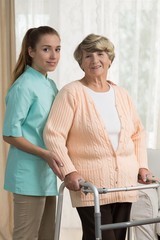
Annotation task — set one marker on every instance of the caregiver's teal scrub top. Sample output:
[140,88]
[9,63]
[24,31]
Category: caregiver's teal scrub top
[28,103]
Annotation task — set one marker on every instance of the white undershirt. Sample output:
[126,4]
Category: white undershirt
[105,105]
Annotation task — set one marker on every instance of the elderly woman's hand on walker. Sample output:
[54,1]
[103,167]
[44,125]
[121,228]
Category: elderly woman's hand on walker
[72,181]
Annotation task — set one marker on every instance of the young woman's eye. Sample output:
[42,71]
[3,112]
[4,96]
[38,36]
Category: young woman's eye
[45,49]
[87,56]
[58,49]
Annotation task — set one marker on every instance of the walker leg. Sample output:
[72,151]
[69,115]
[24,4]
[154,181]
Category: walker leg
[59,212]
[128,233]
[98,231]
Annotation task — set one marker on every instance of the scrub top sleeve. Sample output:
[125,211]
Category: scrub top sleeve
[18,102]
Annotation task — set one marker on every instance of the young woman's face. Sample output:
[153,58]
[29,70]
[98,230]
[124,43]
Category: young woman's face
[47,53]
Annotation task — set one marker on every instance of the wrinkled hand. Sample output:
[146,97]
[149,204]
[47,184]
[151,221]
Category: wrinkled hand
[144,176]
[72,181]
[54,163]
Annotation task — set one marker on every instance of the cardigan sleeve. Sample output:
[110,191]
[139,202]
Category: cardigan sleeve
[139,137]
[57,128]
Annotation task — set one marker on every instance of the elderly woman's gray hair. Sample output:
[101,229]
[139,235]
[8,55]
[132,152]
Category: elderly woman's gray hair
[94,43]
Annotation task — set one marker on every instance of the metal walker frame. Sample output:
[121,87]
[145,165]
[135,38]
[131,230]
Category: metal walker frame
[87,187]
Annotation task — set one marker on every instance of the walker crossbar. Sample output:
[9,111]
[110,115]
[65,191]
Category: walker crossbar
[129,224]
[87,187]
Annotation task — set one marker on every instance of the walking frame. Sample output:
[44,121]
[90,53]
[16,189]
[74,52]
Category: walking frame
[87,187]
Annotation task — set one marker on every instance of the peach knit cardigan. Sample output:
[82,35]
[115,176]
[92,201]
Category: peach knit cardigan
[76,134]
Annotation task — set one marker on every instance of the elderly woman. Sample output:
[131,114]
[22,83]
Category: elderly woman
[94,129]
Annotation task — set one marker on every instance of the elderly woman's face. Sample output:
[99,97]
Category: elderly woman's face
[95,63]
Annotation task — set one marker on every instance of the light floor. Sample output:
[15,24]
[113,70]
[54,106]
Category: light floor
[68,234]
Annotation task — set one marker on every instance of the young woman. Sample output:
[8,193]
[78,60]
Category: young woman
[30,166]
